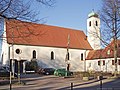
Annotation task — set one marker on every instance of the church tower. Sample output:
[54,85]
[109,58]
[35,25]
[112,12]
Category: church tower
[93,30]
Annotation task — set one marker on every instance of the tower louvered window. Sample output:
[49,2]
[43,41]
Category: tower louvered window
[90,23]
[96,23]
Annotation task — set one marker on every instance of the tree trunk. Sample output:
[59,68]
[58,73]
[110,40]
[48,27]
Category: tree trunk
[115,57]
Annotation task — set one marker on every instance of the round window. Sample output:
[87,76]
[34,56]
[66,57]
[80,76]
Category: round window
[18,51]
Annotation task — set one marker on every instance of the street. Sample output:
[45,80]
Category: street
[50,82]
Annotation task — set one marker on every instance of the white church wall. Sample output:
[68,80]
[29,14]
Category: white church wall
[76,62]
[5,47]
[43,56]
[5,52]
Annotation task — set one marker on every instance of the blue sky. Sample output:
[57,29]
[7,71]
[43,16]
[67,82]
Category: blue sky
[70,13]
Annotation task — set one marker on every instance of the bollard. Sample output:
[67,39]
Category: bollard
[101,77]
[71,86]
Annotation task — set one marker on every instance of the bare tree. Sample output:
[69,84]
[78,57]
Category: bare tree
[21,10]
[110,16]
[18,10]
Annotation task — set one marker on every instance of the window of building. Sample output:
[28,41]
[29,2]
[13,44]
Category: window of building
[96,23]
[103,62]
[113,63]
[90,23]
[52,55]
[118,62]
[82,56]
[34,54]
[99,63]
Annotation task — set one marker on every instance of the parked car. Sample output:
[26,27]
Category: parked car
[46,71]
[62,72]
[5,72]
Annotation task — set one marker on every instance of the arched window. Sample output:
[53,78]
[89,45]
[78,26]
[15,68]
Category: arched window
[96,23]
[90,23]
[113,62]
[52,55]
[82,56]
[34,54]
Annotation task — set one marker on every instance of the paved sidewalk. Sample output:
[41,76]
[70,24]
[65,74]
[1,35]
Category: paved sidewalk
[23,77]
[37,82]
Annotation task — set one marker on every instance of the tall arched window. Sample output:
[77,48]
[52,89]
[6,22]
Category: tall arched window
[90,23]
[34,54]
[52,55]
[96,23]
[82,56]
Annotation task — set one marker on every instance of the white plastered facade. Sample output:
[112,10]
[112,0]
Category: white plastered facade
[43,55]
[93,32]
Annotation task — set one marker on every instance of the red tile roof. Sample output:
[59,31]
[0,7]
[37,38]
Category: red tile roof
[94,54]
[103,53]
[27,33]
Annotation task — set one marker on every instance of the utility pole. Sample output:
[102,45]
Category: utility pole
[11,60]
[67,55]
[10,68]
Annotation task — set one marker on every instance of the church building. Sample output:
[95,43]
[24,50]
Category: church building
[46,44]
[51,46]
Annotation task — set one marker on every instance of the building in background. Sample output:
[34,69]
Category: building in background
[103,59]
